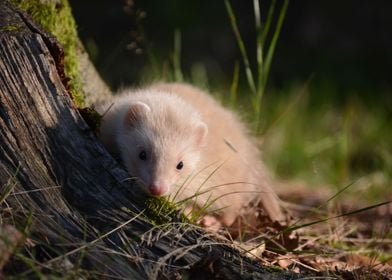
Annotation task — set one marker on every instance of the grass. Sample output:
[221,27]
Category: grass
[325,147]
[309,138]
[263,60]
[328,144]
[310,141]
[319,144]
[305,138]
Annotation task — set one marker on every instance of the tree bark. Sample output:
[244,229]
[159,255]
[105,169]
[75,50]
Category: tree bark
[53,171]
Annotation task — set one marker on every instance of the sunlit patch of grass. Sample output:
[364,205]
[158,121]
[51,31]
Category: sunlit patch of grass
[306,136]
[328,144]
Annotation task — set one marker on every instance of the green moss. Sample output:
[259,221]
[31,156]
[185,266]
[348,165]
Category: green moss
[56,18]
[162,211]
[10,28]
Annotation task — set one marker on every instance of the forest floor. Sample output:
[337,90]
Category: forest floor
[345,239]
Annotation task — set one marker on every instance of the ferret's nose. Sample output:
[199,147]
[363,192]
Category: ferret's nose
[157,190]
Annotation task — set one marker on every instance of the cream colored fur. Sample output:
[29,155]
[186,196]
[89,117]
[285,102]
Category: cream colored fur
[219,159]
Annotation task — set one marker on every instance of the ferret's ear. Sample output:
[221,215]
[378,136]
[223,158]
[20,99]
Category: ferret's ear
[136,112]
[201,134]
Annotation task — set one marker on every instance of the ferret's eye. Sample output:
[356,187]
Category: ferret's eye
[143,155]
[180,165]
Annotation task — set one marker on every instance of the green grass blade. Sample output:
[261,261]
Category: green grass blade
[290,229]
[189,180]
[290,105]
[337,194]
[271,49]
[325,202]
[259,43]
[234,85]
[262,33]
[241,46]
[199,192]
[267,24]
[9,186]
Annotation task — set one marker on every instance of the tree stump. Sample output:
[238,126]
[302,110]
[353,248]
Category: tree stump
[62,188]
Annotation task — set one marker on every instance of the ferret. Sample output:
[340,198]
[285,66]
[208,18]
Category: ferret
[177,141]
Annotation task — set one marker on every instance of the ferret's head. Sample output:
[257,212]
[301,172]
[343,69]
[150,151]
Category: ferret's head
[160,142]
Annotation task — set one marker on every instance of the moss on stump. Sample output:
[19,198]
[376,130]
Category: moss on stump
[55,17]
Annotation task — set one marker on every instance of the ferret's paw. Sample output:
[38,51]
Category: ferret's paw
[210,223]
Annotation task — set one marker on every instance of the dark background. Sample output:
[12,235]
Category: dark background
[346,46]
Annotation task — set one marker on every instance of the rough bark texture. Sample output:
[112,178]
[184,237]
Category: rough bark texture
[53,169]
